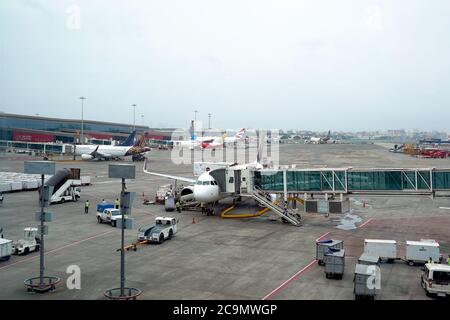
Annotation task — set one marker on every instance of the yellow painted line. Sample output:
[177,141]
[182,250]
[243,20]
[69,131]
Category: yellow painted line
[224,214]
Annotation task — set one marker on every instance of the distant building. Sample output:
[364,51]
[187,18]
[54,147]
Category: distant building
[14,127]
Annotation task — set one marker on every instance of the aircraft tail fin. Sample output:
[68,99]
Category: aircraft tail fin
[128,141]
[240,133]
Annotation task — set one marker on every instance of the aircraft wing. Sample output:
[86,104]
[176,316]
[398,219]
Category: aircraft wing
[97,154]
[166,175]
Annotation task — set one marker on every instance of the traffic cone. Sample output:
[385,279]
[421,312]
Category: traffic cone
[193,219]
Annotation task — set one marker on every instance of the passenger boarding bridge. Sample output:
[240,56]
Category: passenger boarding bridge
[294,184]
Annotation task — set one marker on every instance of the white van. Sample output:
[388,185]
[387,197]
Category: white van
[436,279]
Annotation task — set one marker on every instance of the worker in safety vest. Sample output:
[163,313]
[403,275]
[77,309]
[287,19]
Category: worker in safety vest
[86,206]
[178,206]
[430,260]
[448,260]
[117,204]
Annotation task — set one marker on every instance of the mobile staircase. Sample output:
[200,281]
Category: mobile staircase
[284,212]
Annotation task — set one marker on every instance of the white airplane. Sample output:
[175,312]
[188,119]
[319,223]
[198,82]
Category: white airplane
[205,188]
[318,140]
[210,142]
[126,148]
[237,137]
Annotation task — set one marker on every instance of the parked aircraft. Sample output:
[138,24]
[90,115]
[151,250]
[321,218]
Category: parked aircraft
[319,140]
[106,152]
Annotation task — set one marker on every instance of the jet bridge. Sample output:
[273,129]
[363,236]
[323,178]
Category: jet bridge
[249,181]
[389,181]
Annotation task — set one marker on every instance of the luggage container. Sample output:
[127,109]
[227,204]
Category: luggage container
[85,180]
[169,203]
[364,288]
[334,263]
[323,245]
[421,251]
[102,206]
[385,249]
[369,259]
[5,249]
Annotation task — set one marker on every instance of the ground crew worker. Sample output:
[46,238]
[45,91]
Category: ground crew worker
[178,206]
[86,206]
[103,201]
[117,204]
[448,260]
[202,205]
[430,260]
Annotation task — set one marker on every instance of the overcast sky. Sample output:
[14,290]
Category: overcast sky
[340,65]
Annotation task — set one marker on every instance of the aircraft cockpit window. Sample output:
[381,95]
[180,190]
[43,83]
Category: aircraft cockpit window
[206,183]
[199,183]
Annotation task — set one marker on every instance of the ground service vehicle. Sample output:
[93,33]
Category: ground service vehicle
[29,243]
[163,229]
[106,213]
[435,279]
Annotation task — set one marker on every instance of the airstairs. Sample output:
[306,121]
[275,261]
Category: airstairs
[285,213]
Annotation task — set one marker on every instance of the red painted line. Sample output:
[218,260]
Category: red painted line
[365,223]
[57,249]
[323,236]
[288,281]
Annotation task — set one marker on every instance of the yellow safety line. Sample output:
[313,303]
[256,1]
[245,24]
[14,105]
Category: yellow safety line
[297,199]
[224,214]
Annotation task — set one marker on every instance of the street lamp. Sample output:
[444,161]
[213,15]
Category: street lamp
[195,115]
[82,119]
[209,120]
[134,116]
[142,117]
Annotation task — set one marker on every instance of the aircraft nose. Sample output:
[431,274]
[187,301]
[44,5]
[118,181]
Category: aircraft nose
[205,194]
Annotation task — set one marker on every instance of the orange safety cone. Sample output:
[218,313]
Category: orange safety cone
[193,219]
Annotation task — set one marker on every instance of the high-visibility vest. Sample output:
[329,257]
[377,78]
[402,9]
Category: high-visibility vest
[117,202]
[448,261]
[86,204]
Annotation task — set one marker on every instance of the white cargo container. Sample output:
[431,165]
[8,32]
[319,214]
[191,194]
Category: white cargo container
[421,251]
[385,249]
[5,249]
[5,187]
[16,185]
[85,180]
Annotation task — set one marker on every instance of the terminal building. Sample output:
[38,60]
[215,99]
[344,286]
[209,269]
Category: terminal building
[32,132]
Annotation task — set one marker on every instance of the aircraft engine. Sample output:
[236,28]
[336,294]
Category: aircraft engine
[86,157]
[187,194]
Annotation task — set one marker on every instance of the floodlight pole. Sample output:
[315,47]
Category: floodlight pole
[41,245]
[122,251]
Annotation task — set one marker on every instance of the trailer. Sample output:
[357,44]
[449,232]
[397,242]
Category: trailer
[334,263]
[385,249]
[420,252]
[369,259]
[364,287]
[323,246]
[5,249]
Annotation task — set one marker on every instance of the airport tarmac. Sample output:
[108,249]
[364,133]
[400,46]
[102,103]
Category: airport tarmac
[221,259]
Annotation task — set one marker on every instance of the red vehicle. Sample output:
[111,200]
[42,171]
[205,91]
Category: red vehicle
[434,153]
